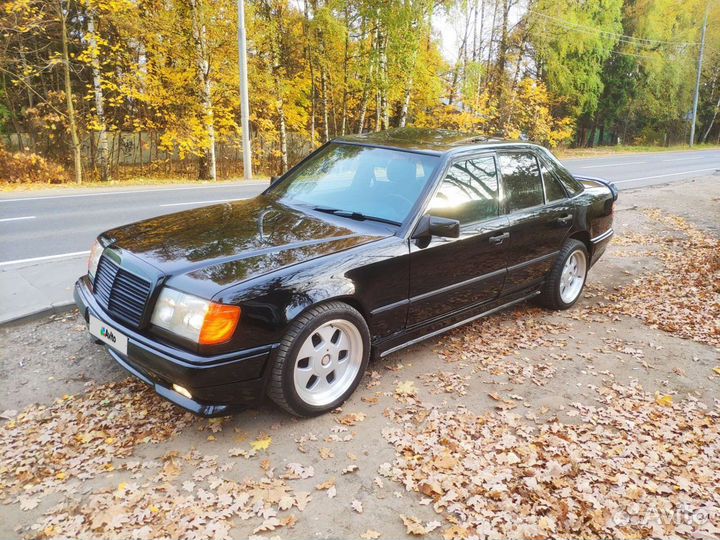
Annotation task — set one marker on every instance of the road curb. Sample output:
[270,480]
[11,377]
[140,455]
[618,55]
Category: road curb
[57,309]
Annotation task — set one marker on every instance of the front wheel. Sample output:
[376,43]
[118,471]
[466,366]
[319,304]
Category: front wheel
[567,277]
[321,360]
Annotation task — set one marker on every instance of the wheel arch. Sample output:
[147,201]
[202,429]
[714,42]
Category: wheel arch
[584,237]
[346,297]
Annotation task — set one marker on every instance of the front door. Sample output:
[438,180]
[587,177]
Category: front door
[539,219]
[450,274]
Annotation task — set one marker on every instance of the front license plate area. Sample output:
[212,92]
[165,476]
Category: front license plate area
[108,335]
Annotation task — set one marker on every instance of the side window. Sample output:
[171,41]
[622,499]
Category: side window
[521,181]
[554,190]
[469,191]
[572,186]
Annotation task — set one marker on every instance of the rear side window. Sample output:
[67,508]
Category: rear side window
[469,191]
[554,190]
[572,186]
[521,181]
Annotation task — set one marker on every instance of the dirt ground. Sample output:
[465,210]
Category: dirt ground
[601,396]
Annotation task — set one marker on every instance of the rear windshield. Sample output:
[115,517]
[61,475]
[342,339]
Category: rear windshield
[377,182]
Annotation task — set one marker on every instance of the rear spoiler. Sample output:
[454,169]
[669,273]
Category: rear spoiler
[613,189]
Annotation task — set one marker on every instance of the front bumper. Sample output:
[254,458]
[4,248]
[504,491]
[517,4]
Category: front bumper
[218,385]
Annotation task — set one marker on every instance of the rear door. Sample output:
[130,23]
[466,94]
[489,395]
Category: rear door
[539,215]
[450,274]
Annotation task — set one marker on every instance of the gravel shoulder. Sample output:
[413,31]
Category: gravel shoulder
[148,469]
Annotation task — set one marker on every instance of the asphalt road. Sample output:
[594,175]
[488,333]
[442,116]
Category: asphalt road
[45,237]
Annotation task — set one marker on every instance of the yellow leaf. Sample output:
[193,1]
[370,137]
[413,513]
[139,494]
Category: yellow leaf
[413,526]
[261,444]
[211,438]
[717,370]
[663,401]
[455,533]
[61,475]
[406,388]
[154,509]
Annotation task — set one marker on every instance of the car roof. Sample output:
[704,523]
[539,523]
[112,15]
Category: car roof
[432,141]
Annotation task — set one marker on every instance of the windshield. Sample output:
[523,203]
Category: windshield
[359,181]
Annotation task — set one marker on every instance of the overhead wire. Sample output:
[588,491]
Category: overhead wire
[624,38]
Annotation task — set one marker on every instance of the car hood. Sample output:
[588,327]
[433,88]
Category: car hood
[227,243]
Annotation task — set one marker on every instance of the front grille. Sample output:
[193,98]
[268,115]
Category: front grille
[121,293]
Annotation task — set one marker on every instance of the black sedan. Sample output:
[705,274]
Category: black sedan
[372,243]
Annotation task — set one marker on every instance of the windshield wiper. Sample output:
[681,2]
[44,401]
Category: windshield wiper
[357,216]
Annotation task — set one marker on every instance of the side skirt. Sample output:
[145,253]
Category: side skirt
[457,324]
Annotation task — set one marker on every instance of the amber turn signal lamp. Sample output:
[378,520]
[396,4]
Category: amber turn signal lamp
[220,324]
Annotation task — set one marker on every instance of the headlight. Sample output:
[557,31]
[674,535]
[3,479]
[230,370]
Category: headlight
[95,252]
[195,319]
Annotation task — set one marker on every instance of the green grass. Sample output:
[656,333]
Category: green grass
[601,151]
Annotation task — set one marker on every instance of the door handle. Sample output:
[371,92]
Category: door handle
[565,219]
[499,238]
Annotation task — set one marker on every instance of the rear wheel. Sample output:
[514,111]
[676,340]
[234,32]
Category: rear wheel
[321,360]
[567,277]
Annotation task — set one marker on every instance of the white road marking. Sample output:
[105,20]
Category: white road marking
[204,202]
[125,191]
[17,218]
[613,164]
[663,175]
[46,258]
[684,158]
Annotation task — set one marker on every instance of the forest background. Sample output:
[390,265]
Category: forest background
[113,89]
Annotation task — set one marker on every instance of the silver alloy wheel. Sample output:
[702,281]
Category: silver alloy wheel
[328,362]
[573,276]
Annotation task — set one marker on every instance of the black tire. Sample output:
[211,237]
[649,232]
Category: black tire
[550,296]
[281,388]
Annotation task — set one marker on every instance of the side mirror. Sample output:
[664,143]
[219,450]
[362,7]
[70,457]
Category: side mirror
[430,226]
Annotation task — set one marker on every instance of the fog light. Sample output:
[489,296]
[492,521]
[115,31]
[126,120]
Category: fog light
[182,391]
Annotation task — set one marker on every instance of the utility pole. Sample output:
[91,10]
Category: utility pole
[244,103]
[697,81]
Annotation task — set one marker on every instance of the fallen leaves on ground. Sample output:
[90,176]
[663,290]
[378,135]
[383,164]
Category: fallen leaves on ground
[493,344]
[406,389]
[446,382]
[683,297]
[495,475]
[203,509]
[78,437]
[261,444]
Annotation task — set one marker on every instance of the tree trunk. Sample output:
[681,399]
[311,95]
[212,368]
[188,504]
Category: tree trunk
[503,46]
[406,105]
[208,169]
[101,157]
[493,28]
[366,91]
[75,137]
[707,131]
[324,101]
[346,60]
[384,101]
[277,66]
[313,97]
[378,108]
[475,33]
